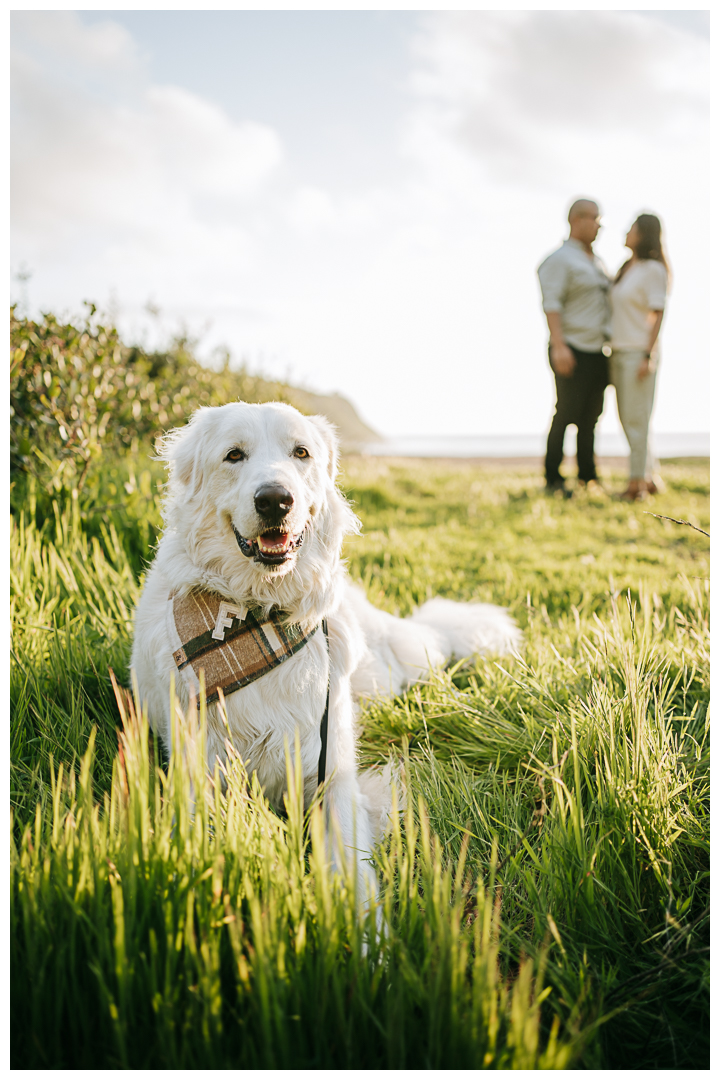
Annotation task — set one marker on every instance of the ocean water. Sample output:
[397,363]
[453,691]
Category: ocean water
[610,444]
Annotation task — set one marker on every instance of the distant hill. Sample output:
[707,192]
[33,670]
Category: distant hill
[353,431]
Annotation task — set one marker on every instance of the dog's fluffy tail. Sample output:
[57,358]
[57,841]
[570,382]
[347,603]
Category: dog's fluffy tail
[401,651]
[465,630]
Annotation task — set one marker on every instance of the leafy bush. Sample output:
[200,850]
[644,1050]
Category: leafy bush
[76,390]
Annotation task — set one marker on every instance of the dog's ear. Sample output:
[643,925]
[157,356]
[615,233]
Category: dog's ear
[181,449]
[331,440]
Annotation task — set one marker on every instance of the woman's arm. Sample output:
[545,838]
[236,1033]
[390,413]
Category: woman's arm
[646,366]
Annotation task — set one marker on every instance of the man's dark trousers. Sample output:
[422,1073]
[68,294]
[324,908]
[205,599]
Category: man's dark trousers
[579,401]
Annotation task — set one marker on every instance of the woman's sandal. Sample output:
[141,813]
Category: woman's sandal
[633,493]
[654,486]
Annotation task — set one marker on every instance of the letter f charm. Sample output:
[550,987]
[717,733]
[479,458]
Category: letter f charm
[224,621]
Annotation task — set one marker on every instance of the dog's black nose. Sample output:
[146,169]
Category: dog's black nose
[273,502]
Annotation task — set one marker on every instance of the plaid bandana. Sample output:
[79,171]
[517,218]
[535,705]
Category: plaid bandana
[234,646]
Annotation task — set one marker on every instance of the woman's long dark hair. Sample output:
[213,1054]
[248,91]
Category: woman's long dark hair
[650,246]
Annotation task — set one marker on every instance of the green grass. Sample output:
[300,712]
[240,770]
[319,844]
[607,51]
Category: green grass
[545,893]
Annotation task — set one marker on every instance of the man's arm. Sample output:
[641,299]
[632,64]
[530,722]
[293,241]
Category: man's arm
[561,355]
[553,275]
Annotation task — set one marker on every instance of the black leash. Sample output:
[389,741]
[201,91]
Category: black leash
[322,760]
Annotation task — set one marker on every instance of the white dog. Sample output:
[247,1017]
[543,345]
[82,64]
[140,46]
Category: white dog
[254,525]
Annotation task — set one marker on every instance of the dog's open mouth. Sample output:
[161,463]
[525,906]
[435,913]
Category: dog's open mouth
[273,547]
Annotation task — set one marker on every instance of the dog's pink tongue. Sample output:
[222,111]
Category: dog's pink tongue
[274,543]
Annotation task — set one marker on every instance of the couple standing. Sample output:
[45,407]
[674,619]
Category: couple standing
[586,313]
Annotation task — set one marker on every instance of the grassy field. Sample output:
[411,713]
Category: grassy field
[546,891]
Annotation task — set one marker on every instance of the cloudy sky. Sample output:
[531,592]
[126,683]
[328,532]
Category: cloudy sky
[359,200]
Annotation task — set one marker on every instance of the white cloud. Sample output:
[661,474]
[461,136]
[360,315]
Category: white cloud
[199,146]
[65,42]
[160,162]
[312,208]
[515,89]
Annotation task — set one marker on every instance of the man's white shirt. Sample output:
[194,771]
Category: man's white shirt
[577,286]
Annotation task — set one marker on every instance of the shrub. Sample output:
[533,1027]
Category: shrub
[76,390]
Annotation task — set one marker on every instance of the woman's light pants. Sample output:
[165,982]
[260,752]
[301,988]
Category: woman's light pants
[635,401]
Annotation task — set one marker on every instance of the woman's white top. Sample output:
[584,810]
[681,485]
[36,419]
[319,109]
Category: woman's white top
[640,291]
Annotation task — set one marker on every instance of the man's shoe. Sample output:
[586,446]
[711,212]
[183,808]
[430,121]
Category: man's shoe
[558,487]
[593,488]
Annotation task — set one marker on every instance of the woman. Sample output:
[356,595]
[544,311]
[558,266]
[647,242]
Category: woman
[638,302]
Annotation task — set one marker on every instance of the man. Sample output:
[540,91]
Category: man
[575,293]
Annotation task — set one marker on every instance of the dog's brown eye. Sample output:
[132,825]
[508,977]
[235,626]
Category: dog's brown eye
[301,452]
[236,455]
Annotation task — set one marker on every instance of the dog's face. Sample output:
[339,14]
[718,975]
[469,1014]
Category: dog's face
[263,476]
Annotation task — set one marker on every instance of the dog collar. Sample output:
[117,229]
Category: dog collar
[234,646]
